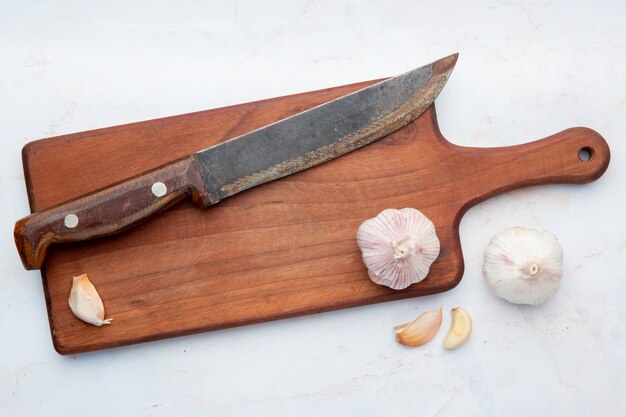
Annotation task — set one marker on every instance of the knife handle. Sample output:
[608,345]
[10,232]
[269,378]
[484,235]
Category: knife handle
[109,210]
[574,156]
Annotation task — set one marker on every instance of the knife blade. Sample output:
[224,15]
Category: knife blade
[282,148]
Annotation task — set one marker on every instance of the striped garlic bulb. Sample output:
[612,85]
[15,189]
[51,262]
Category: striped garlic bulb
[398,247]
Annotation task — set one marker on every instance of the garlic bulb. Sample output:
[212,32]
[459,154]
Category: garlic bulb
[85,302]
[398,247]
[419,331]
[460,329]
[523,266]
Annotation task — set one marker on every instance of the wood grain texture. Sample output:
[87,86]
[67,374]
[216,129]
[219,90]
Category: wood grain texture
[283,249]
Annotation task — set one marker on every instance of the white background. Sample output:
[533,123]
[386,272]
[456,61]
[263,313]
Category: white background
[527,69]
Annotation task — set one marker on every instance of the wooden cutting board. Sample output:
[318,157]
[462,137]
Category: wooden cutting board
[282,249]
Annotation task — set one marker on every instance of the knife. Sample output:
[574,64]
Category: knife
[293,144]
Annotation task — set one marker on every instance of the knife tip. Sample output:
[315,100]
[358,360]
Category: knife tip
[445,65]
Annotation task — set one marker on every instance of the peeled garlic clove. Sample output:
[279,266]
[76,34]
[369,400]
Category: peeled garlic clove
[85,302]
[419,331]
[398,247]
[523,266]
[460,329]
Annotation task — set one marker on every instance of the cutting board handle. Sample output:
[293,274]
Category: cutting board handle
[574,156]
[110,210]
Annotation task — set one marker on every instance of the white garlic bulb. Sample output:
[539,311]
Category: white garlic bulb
[523,266]
[398,247]
[85,302]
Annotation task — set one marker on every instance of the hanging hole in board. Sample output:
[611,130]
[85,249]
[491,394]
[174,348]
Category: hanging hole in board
[585,154]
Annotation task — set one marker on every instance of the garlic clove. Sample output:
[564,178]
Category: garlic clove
[398,247]
[523,266]
[460,329]
[85,302]
[419,331]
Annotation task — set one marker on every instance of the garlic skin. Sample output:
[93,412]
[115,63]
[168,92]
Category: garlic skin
[398,247]
[85,302]
[419,331]
[523,266]
[460,329]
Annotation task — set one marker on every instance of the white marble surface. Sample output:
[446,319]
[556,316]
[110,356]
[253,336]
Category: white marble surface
[527,69]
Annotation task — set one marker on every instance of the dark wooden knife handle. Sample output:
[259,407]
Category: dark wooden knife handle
[109,210]
[574,156]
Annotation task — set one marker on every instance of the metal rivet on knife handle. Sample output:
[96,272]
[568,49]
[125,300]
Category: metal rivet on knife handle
[70,221]
[159,189]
